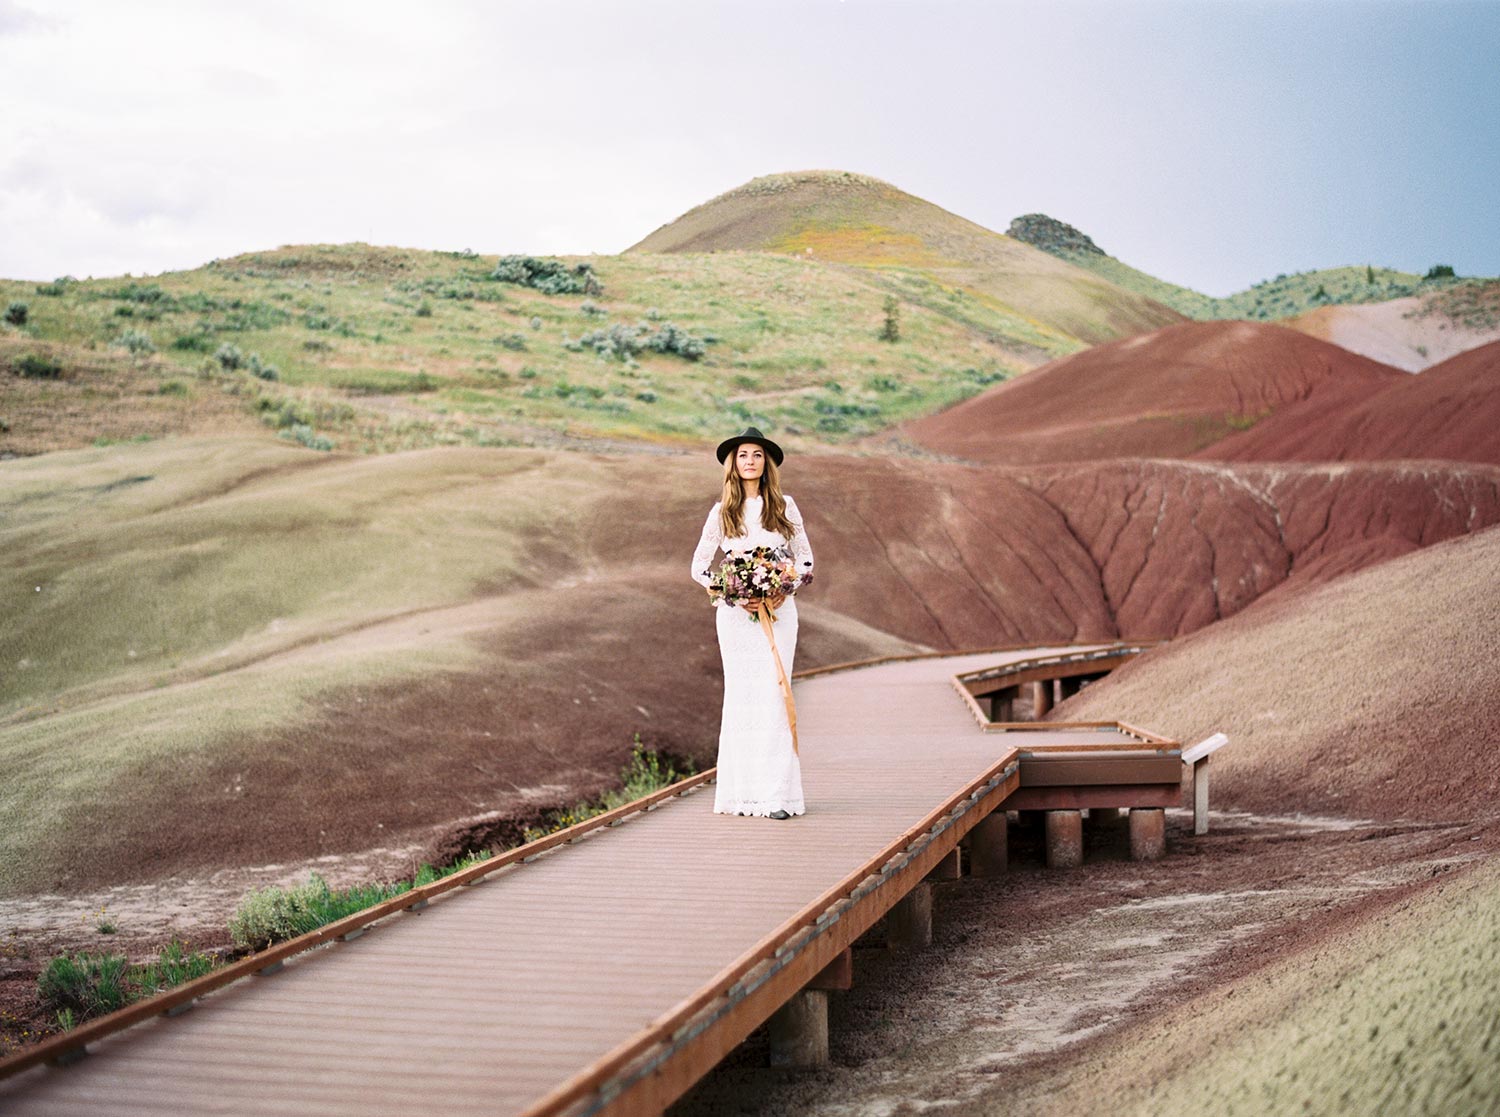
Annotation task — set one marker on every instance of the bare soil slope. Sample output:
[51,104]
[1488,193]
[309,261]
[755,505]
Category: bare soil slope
[307,653]
[1411,333]
[1370,696]
[1163,394]
[1394,1013]
[845,218]
[1450,412]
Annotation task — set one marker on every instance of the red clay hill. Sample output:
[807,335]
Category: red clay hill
[1450,412]
[583,628]
[1164,394]
[1400,735]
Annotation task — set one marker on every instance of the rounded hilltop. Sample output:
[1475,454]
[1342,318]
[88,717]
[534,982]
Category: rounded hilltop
[823,180]
[843,218]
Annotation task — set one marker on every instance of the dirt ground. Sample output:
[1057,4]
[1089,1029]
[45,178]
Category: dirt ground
[1030,974]
[137,920]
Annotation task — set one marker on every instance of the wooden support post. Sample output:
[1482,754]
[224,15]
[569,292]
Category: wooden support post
[799,1031]
[989,845]
[1064,839]
[909,924]
[838,974]
[1198,757]
[1104,816]
[949,868]
[1148,833]
[1200,796]
[1041,699]
[1000,707]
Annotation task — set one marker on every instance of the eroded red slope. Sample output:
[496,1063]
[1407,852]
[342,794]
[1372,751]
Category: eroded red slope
[1371,696]
[1451,412]
[1163,394]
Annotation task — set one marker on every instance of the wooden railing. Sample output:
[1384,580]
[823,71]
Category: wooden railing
[71,1045]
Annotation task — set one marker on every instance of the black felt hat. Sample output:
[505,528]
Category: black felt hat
[751,435]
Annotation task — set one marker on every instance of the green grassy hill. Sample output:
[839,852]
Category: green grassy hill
[870,226]
[385,349]
[1285,296]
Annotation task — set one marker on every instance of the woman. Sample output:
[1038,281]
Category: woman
[758,770]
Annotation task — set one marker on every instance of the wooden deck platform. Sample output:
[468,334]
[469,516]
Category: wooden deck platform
[608,974]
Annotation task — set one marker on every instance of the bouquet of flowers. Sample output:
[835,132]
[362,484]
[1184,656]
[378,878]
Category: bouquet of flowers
[746,577]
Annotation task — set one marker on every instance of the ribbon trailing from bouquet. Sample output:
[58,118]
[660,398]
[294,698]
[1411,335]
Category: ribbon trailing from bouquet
[763,612]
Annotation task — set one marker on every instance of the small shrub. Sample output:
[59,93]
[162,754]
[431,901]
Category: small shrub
[229,357]
[672,339]
[172,388]
[527,373]
[592,309]
[301,432]
[646,395]
[261,369]
[316,345]
[16,313]
[34,366]
[137,342]
[140,293]
[536,323]
[884,384]
[318,322]
[514,342]
[551,277]
[890,330]
[621,342]
[57,287]
[276,914]
[424,309]
[193,343]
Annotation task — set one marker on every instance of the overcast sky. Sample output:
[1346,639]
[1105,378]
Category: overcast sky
[1210,142]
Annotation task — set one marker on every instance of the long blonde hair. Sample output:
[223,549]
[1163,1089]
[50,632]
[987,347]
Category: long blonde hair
[773,515]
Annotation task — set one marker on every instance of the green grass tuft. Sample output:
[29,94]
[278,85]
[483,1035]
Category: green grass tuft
[78,987]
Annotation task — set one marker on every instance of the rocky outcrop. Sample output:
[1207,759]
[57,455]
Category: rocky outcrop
[1052,235]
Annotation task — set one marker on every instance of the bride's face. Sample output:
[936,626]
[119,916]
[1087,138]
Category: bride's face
[749,461]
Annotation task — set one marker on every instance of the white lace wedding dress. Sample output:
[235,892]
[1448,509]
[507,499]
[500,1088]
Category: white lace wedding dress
[758,771]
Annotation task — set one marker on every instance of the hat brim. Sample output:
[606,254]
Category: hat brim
[727,447]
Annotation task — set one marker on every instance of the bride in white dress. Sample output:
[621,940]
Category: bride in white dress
[759,773]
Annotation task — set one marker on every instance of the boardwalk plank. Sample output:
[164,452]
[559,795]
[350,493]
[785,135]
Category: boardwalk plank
[496,994]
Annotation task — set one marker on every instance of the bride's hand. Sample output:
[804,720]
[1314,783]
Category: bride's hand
[775,601]
[751,607]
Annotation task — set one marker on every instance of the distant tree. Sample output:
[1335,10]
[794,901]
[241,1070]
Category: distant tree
[1321,293]
[891,330]
[1369,275]
[1440,271]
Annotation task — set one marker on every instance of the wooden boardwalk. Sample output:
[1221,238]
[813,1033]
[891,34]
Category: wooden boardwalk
[605,975]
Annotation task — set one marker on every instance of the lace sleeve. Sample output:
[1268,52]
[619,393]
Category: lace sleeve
[708,546]
[802,555]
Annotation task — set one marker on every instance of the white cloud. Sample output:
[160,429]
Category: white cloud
[143,137]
